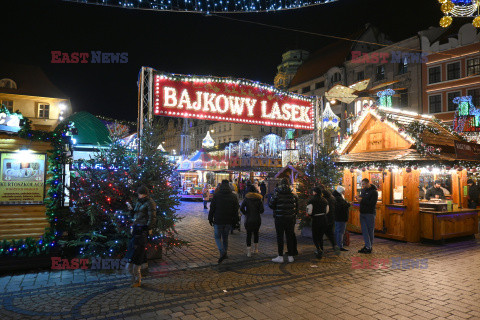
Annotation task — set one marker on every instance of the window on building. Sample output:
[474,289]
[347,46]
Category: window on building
[435,103]
[403,66]
[336,77]
[360,75]
[262,129]
[450,96]
[402,99]
[306,89]
[43,110]
[320,85]
[380,74]
[473,66]
[229,126]
[7,104]
[434,75]
[475,93]
[453,71]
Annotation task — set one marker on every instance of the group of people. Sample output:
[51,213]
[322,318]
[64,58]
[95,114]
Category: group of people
[328,211]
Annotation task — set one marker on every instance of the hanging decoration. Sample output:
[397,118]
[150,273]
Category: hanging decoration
[208,6]
[459,9]
[385,97]
[330,119]
[208,142]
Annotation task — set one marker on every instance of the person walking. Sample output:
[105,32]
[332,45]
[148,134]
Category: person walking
[205,195]
[252,208]
[341,215]
[263,190]
[368,201]
[144,220]
[319,209]
[222,215]
[285,209]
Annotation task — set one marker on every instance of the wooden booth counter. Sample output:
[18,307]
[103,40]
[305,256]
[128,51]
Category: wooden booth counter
[441,225]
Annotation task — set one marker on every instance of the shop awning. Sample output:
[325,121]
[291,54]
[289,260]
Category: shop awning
[395,155]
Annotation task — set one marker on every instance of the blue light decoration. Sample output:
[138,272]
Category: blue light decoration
[467,116]
[385,97]
[208,6]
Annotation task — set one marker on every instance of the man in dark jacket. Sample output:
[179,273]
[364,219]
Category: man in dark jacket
[368,201]
[222,215]
[285,209]
[473,194]
[341,216]
[144,220]
[263,190]
[436,191]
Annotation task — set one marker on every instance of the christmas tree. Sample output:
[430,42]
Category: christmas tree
[100,223]
[323,172]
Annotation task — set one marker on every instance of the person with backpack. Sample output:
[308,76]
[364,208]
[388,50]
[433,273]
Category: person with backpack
[318,208]
[252,208]
[284,204]
[341,216]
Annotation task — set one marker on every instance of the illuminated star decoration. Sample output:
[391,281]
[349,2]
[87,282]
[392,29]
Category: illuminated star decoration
[459,8]
[208,6]
[330,119]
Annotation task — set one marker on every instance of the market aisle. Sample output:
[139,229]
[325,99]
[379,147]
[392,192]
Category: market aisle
[189,284]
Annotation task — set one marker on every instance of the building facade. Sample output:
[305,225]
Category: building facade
[452,69]
[28,90]
[291,61]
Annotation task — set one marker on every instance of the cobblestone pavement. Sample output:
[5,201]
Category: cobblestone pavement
[189,284]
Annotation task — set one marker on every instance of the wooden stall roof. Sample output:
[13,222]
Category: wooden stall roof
[383,117]
[396,155]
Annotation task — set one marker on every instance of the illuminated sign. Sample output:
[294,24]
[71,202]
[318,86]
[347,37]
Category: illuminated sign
[22,178]
[10,122]
[224,100]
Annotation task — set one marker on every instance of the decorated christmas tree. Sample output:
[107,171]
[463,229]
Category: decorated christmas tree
[323,172]
[100,222]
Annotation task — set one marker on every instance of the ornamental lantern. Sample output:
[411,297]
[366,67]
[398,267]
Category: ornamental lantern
[408,169]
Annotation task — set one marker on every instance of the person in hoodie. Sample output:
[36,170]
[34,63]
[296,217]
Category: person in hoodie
[368,201]
[252,208]
[144,220]
[341,215]
[222,215]
[285,209]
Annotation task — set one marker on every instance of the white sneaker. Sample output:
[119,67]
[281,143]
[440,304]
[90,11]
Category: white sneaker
[278,259]
[290,259]
[249,251]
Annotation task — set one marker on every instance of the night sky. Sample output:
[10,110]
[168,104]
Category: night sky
[181,42]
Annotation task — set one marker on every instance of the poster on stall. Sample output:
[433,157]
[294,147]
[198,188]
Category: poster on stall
[22,178]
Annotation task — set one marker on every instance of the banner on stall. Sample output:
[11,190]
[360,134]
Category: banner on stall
[467,150]
[227,100]
[22,178]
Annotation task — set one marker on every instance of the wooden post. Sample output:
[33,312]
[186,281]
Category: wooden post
[411,181]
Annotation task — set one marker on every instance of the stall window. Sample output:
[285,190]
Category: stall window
[376,178]
[427,181]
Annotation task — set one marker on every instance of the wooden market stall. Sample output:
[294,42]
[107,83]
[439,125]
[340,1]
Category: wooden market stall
[22,187]
[402,154]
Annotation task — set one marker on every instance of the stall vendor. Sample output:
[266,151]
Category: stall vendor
[435,192]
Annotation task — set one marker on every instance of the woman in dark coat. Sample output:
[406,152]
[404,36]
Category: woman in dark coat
[252,208]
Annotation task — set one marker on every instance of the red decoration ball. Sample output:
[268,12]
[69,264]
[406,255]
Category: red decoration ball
[460,169]
[415,168]
[448,168]
[408,169]
[364,169]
